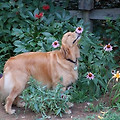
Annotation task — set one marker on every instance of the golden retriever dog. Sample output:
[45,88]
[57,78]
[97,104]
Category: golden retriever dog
[46,67]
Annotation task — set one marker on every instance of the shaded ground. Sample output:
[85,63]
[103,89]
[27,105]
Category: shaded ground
[21,114]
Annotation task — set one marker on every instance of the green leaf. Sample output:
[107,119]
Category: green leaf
[67,17]
[63,14]
[16,32]
[58,111]
[47,34]
[36,107]
[36,11]
[50,20]
[4,5]
[50,39]
[17,43]
[58,15]
[31,15]
[18,50]
[102,84]
[33,44]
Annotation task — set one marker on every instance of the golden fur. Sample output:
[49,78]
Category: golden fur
[47,67]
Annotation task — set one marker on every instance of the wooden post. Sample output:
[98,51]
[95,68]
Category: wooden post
[86,6]
[87,22]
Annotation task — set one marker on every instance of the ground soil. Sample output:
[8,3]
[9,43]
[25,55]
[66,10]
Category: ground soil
[78,110]
[22,114]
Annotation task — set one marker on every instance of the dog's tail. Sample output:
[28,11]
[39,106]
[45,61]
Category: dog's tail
[1,87]
[1,82]
[1,75]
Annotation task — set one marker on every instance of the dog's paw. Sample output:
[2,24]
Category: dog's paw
[20,104]
[12,111]
[9,111]
[68,111]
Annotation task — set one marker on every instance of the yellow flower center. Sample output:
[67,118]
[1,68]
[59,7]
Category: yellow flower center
[117,75]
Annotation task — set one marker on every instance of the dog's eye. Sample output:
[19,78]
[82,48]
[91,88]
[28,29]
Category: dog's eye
[68,35]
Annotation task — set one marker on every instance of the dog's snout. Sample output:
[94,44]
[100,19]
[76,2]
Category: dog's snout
[78,34]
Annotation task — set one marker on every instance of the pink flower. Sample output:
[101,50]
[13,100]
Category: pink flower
[113,72]
[46,7]
[39,15]
[108,47]
[55,44]
[90,76]
[79,30]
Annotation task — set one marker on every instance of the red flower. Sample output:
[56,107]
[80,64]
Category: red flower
[39,15]
[17,13]
[46,7]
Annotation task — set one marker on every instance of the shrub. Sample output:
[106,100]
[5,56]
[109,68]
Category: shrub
[109,30]
[115,90]
[113,34]
[40,99]
[42,32]
[94,59]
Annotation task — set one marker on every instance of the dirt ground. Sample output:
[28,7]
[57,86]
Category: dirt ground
[78,110]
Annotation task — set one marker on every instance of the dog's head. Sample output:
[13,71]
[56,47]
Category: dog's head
[70,44]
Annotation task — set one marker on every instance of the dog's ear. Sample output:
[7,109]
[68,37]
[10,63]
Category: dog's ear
[66,51]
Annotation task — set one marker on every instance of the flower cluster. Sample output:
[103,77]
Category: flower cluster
[40,15]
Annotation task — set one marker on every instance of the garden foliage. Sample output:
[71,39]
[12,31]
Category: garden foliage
[40,99]
[31,26]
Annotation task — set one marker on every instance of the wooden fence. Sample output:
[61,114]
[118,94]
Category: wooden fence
[87,12]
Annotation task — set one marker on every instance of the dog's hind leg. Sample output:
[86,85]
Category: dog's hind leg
[18,83]
[10,99]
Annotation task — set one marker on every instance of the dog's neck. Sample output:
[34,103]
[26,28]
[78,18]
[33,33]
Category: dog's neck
[63,52]
[75,62]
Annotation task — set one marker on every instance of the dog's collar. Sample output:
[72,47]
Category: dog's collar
[75,62]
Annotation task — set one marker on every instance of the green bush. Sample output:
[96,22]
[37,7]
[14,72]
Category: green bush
[109,30]
[96,60]
[112,32]
[42,32]
[40,99]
